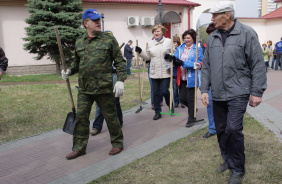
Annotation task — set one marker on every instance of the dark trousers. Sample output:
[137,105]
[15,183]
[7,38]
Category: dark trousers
[99,118]
[187,96]
[228,117]
[160,86]
[278,60]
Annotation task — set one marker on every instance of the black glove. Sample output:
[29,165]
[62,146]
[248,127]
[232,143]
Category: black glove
[138,49]
[168,57]
[177,62]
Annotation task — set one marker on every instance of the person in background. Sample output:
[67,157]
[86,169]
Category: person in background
[99,118]
[278,48]
[274,58]
[265,55]
[96,82]
[212,131]
[235,81]
[270,51]
[128,54]
[159,67]
[185,56]
[3,62]
[176,42]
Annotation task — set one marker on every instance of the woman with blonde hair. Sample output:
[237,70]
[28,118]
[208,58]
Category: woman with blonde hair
[158,47]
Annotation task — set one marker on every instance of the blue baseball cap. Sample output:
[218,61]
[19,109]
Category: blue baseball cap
[91,14]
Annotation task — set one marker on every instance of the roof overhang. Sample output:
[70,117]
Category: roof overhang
[166,2]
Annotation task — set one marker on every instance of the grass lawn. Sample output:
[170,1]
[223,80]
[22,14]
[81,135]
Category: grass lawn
[194,159]
[29,109]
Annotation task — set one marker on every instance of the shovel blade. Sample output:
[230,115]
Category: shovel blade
[139,110]
[69,123]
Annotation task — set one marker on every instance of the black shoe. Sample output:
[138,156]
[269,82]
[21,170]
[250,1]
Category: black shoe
[176,105]
[157,116]
[235,178]
[223,167]
[189,124]
[182,105]
[208,134]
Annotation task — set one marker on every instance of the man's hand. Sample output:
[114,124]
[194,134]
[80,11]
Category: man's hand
[254,101]
[0,74]
[65,75]
[205,99]
[119,89]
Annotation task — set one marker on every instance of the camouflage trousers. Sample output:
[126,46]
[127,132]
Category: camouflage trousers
[106,102]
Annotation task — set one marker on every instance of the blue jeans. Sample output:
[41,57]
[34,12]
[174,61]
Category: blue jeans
[210,115]
[160,86]
[99,118]
[272,64]
[128,65]
[152,94]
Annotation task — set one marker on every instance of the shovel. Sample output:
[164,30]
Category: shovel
[140,98]
[70,120]
[196,78]
[171,76]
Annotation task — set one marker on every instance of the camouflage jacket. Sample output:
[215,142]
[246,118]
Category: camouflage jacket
[93,61]
[3,61]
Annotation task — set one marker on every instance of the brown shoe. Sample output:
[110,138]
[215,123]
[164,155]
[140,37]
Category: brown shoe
[75,154]
[115,151]
[95,131]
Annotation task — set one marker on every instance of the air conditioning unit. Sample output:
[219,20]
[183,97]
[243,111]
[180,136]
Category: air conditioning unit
[147,21]
[132,21]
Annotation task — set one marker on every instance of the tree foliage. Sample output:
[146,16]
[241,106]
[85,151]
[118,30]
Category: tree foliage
[44,16]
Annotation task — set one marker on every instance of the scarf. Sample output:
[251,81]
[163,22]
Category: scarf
[159,39]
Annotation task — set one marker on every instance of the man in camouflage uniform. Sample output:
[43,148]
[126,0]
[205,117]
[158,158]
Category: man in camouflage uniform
[94,53]
[3,62]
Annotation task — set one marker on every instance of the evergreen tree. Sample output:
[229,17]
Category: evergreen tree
[41,37]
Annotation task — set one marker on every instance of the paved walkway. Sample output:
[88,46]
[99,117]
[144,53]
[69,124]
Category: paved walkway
[41,158]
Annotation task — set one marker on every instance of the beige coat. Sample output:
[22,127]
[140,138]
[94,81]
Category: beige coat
[159,67]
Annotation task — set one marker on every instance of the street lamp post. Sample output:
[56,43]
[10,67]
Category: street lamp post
[160,11]
[102,14]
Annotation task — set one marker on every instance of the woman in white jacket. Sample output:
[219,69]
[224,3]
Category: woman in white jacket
[159,67]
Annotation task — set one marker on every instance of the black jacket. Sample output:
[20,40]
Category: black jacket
[128,52]
[3,61]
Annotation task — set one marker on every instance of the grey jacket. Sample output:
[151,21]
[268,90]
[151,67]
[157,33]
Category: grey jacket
[235,70]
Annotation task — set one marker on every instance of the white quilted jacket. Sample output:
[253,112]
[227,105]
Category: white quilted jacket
[159,67]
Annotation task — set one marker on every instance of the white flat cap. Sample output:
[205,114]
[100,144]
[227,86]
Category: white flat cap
[222,6]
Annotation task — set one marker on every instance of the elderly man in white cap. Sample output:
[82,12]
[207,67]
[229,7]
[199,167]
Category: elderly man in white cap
[233,66]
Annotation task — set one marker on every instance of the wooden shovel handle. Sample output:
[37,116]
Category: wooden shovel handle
[63,63]
[196,78]
[171,70]
[138,62]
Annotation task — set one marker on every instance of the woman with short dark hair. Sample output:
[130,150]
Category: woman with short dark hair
[185,57]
